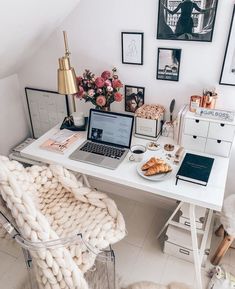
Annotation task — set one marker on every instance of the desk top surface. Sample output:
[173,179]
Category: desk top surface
[126,174]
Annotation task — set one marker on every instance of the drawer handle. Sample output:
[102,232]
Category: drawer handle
[197,120]
[218,141]
[185,252]
[222,124]
[194,136]
[187,223]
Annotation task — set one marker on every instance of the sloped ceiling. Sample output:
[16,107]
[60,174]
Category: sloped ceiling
[25,25]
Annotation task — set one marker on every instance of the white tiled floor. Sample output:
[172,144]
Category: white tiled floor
[138,257]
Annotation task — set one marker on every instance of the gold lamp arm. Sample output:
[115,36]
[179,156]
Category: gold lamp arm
[67,53]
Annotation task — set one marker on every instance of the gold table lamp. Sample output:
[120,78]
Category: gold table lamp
[67,83]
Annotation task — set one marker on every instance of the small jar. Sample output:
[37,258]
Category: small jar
[78,119]
[195,102]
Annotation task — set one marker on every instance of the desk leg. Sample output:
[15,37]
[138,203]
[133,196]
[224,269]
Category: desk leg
[170,219]
[196,255]
[86,181]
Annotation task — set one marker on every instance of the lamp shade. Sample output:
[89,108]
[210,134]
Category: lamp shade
[67,83]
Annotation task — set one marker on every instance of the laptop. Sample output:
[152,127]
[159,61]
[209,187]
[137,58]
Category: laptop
[108,139]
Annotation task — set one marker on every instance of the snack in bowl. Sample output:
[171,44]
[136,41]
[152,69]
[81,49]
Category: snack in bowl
[155,166]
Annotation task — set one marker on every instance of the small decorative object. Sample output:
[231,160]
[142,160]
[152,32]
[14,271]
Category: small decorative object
[100,91]
[153,146]
[132,48]
[209,99]
[186,20]
[134,97]
[215,114]
[148,121]
[68,123]
[168,127]
[168,64]
[78,119]
[169,147]
[137,153]
[227,76]
[195,102]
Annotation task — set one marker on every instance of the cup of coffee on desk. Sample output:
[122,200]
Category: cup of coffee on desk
[137,153]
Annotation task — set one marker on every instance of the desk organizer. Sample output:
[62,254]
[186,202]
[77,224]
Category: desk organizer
[207,135]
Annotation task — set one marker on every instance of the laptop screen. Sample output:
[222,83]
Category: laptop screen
[110,128]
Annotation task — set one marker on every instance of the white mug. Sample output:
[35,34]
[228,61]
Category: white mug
[78,119]
[137,153]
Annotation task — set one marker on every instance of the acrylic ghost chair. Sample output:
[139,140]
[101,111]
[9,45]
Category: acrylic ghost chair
[227,229]
[60,223]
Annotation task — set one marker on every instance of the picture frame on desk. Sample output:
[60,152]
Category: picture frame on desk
[134,97]
[168,64]
[227,76]
[186,20]
[132,48]
[46,108]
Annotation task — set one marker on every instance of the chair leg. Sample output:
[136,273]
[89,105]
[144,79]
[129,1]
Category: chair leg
[220,231]
[222,249]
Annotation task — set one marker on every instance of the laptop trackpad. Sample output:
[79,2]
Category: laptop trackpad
[94,158]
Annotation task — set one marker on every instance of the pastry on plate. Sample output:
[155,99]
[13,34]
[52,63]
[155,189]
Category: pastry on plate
[158,169]
[151,162]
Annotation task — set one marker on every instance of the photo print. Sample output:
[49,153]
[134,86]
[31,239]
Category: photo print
[191,20]
[134,97]
[168,64]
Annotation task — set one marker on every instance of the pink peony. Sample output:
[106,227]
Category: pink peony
[107,83]
[106,75]
[117,83]
[101,100]
[118,96]
[109,88]
[91,92]
[79,80]
[80,92]
[99,82]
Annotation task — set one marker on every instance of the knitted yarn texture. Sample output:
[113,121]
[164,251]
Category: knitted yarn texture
[49,203]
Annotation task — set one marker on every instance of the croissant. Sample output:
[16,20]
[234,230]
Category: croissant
[158,169]
[151,162]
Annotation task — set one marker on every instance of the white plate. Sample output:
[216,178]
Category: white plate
[156,178]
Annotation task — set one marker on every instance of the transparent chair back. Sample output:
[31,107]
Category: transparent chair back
[103,271]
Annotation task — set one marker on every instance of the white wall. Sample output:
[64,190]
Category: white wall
[13,123]
[94,29]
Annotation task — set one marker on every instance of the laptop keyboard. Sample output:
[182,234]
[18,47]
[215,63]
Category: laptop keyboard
[103,150]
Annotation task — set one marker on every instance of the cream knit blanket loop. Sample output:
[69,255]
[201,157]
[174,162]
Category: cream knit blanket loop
[49,203]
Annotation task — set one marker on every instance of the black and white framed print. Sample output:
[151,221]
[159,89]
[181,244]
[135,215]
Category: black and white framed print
[168,64]
[46,109]
[227,76]
[186,19]
[134,97]
[132,47]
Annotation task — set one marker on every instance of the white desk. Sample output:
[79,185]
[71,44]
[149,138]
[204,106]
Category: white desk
[210,196]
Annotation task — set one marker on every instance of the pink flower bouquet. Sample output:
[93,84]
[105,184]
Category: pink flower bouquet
[100,91]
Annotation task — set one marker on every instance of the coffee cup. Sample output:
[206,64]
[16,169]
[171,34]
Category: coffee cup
[137,153]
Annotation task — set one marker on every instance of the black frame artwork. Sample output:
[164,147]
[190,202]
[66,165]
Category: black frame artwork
[134,97]
[188,20]
[132,48]
[168,64]
[227,76]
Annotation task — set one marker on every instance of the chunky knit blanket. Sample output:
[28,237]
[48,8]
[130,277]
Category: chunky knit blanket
[49,203]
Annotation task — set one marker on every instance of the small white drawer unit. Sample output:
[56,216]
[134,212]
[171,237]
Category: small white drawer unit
[207,135]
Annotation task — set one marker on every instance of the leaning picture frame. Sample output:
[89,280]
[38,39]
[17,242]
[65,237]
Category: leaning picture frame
[227,76]
[132,48]
[46,109]
[168,64]
[186,20]
[134,97]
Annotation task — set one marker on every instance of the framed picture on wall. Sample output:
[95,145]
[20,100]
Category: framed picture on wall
[227,76]
[168,64]
[186,19]
[132,47]
[134,97]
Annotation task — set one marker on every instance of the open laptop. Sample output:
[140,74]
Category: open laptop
[108,139]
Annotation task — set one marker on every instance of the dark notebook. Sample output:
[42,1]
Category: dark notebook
[195,169]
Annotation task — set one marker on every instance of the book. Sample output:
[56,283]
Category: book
[60,141]
[195,169]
